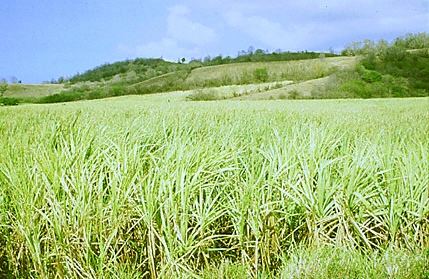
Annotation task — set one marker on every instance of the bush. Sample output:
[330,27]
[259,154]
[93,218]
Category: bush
[356,88]
[394,54]
[204,95]
[3,87]
[9,101]
[399,87]
[292,95]
[370,61]
[116,90]
[371,76]
[61,97]
[97,93]
[261,74]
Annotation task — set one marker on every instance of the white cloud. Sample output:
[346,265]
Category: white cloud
[317,25]
[270,33]
[184,38]
[184,30]
[273,24]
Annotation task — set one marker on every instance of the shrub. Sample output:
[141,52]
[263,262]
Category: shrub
[245,77]
[356,88]
[62,97]
[261,74]
[97,93]
[371,76]
[278,85]
[9,101]
[292,95]
[116,90]
[399,87]
[370,61]
[282,96]
[3,87]
[227,80]
[394,54]
[204,95]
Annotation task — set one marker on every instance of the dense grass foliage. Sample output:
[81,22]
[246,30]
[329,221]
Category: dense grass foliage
[400,75]
[411,67]
[397,69]
[127,189]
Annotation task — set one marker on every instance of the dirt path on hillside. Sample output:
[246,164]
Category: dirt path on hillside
[305,88]
[258,91]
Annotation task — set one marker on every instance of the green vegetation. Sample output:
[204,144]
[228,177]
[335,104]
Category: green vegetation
[3,87]
[400,69]
[123,188]
[9,101]
[261,74]
[327,262]
[4,100]
[233,91]
[397,69]
[31,92]
[204,95]
[159,186]
[192,78]
[135,70]
[147,76]
[144,69]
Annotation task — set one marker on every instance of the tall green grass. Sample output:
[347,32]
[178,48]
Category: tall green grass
[127,189]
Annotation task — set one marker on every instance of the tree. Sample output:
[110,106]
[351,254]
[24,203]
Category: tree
[352,49]
[381,47]
[207,60]
[368,47]
[413,41]
[3,87]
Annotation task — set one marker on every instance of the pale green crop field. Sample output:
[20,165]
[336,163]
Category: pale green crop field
[133,188]
[295,70]
[32,90]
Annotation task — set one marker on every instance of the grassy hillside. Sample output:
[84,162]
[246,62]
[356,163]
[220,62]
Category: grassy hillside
[141,69]
[32,90]
[244,73]
[399,69]
[300,77]
[177,77]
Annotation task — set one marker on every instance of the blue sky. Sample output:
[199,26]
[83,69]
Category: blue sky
[41,39]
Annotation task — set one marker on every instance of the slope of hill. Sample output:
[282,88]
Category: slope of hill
[32,90]
[141,69]
[300,77]
[367,70]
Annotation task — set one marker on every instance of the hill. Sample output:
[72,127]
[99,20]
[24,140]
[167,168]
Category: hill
[32,90]
[161,76]
[365,70]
